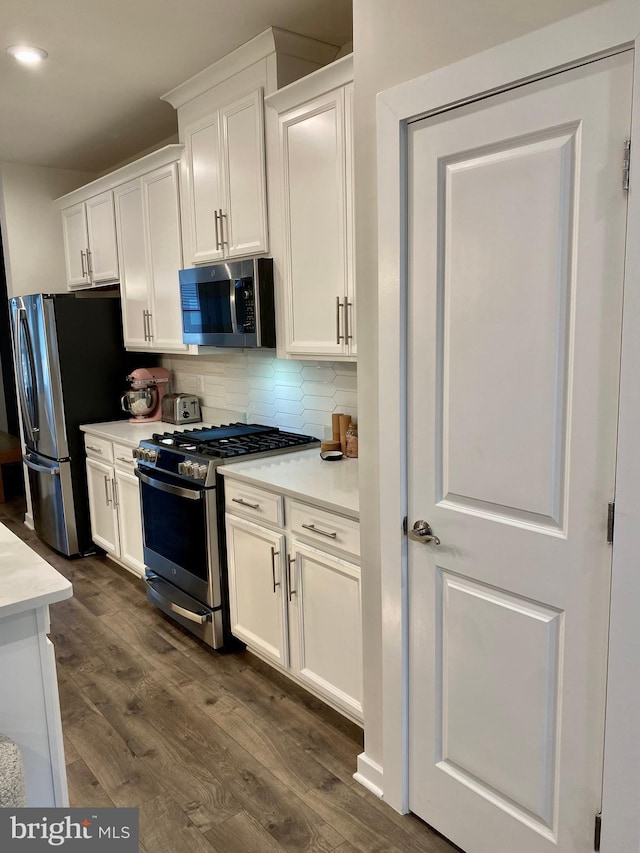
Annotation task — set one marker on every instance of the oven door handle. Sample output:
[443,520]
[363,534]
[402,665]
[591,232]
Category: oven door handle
[199,618]
[190,494]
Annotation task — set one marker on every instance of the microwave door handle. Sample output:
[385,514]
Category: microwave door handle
[232,303]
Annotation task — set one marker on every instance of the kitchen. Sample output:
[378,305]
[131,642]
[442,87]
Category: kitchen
[406,56]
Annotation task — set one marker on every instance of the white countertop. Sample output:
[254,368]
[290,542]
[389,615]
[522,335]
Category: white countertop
[26,580]
[131,434]
[303,474]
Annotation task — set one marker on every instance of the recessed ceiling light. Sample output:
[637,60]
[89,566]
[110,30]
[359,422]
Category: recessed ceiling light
[28,55]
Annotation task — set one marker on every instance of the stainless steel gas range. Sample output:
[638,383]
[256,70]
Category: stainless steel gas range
[183,518]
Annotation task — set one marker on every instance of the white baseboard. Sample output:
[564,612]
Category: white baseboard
[28,520]
[369,774]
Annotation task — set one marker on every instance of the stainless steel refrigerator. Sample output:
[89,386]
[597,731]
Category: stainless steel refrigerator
[71,367]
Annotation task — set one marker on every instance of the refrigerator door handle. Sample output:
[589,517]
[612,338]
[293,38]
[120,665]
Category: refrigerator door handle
[42,469]
[24,351]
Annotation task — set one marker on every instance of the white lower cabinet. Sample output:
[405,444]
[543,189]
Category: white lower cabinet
[114,502]
[256,599]
[296,603]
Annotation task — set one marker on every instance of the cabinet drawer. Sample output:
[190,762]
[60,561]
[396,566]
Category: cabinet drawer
[252,502]
[123,457]
[98,448]
[325,528]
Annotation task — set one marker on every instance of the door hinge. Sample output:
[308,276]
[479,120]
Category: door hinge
[626,164]
[611,517]
[405,525]
[597,831]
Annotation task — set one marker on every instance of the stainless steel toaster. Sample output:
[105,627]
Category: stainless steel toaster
[180,408]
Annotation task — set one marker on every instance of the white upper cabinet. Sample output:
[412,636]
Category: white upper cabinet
[221,123]
[311,172]
[89,233]
[224,195]
[148,227]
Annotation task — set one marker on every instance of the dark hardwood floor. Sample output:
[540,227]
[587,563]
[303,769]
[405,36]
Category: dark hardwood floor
[218,751]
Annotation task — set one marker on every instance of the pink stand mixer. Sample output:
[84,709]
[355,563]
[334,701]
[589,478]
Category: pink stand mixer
[144,400]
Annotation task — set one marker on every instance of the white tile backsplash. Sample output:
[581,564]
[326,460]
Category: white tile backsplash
[299,396]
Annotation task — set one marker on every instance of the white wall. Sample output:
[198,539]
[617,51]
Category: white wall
[394,42]
[31,225]
[298,396]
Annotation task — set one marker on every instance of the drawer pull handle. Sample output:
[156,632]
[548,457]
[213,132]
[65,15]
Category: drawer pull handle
[245,503]
[330,534]
[274,553]
[123,459]
[94,449]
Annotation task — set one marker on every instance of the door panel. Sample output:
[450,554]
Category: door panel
[514,301]
[516,222]
[101,227]
[245,225]
[205,188]
[134,275]
[74,229]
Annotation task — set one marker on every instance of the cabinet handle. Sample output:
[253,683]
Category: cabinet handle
[339,337]
[328,533]
[215,222]
[124,459]
[245,503]
[106,489]
[144,324]
[149,316]
[347,325]
[89,263]
[94,449]
[291,591]
[274,554]
[84,271]
[114,492]
[222,240]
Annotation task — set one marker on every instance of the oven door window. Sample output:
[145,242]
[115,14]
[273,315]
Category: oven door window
[175,527]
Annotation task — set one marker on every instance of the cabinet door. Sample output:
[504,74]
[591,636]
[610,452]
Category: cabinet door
[326,626]
[104,520]
[134,276]
[313,176]
[350,308]
[204,191]
[74,230]
[164,249]
[245,213]
[129,520]
[101,229]
[256,580]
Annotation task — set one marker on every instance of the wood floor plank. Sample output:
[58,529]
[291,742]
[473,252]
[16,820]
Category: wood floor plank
[243,834]
[283,814]
[197,791]
[165,828]
[70,752]
[84,788]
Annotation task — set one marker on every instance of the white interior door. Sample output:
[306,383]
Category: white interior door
[516,244]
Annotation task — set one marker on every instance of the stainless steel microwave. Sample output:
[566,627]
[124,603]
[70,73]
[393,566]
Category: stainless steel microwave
[229,305]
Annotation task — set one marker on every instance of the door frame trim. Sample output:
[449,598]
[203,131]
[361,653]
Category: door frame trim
[603,30]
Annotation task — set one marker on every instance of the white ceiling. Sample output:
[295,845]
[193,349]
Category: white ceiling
[95,101]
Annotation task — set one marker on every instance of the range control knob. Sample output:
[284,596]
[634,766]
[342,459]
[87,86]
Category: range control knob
[181,469]
[153,455]
[188,468]
[200,471]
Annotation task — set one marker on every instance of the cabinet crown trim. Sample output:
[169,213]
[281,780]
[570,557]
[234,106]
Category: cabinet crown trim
[155,160]
[338,73]
[272,40]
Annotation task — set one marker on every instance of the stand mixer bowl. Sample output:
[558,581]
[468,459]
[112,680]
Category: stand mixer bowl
[140,402]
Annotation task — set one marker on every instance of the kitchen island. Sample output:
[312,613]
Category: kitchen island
[29,705]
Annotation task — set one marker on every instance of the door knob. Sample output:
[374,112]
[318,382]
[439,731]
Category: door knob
[422,532]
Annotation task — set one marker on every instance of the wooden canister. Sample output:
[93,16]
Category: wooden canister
[335,426]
